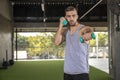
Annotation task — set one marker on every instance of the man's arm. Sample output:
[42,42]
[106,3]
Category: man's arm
[59,36]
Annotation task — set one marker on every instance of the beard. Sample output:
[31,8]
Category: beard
[72,23]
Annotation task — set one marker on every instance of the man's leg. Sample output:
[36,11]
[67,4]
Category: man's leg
[67,77]
[83,76]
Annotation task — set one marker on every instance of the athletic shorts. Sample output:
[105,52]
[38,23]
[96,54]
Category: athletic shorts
[83,76]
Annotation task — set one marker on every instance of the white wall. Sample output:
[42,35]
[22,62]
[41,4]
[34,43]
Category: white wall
[5,31]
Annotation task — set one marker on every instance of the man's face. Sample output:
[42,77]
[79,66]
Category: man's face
[71,17]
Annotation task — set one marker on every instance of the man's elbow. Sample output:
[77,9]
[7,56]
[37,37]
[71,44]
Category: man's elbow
[56,43]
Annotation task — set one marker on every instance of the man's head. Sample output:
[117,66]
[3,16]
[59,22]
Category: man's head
[71,15]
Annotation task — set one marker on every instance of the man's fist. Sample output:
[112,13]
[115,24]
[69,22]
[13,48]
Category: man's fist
[85,33]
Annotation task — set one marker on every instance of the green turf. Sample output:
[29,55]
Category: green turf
[96,74]
[43,70]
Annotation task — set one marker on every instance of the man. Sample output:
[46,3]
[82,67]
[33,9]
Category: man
[76,65]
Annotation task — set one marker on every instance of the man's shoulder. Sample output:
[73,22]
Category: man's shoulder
[85,27]
[82,25]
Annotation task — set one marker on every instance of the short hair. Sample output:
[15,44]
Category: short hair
[71,8]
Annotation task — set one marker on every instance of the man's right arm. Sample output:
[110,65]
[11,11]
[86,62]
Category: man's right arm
[59,34]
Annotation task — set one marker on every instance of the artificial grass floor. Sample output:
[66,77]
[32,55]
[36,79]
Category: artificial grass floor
[43,70]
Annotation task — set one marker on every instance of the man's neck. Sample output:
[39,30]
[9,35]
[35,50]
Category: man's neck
[73,28]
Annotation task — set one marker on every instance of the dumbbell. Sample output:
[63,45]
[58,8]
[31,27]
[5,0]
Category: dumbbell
[92,35]
[64,22]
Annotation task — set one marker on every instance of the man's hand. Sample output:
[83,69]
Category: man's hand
[85,33]
[61,21]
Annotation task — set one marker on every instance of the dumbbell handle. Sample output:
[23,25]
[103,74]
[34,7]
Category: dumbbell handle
[92,35]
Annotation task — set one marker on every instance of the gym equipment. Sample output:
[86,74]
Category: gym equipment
[92,35]
[11,62]
[91,9]
[64,22]
[5,64]
[85,30]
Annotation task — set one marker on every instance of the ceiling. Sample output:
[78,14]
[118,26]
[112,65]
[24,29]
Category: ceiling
[49,11]
[31,10]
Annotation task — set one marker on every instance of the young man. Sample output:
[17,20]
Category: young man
[76,65]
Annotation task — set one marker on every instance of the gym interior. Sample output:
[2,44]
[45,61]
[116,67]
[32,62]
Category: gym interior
[42,16]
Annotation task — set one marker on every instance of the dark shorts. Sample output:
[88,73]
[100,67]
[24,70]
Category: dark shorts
[83,76]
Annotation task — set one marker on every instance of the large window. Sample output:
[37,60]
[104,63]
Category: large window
[34,45]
